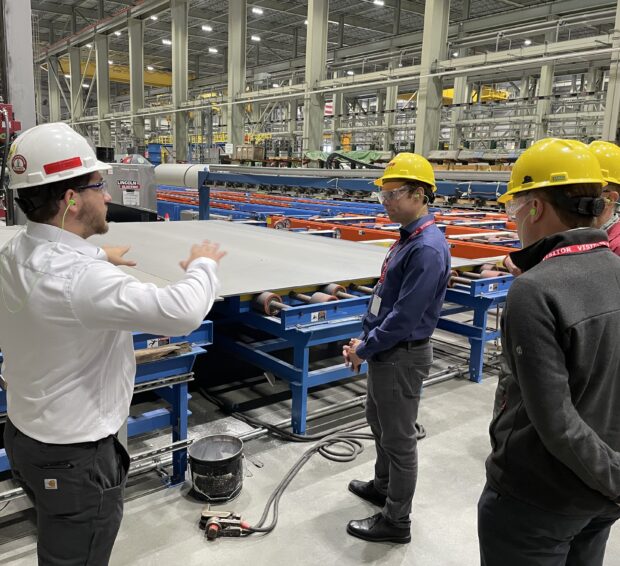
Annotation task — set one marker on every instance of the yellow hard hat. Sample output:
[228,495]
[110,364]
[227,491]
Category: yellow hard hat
[608,155]
[551,163]
[409,166]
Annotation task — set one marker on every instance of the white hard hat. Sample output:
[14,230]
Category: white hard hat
[48,153]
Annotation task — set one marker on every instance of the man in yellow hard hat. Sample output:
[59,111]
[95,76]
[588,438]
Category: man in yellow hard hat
[553,476]
[608,155]
[396,330]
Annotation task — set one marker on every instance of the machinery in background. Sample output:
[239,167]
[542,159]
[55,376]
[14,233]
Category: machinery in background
[164,367]
[474,237]
[9,127]
[133,190]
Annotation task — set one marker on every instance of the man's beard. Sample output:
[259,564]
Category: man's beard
[94,222]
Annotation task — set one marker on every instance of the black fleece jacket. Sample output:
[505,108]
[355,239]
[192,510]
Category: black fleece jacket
[556,431]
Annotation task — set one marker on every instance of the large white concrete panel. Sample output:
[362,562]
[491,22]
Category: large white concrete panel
[258,259]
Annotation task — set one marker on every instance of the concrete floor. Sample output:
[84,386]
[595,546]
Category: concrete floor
[162,527]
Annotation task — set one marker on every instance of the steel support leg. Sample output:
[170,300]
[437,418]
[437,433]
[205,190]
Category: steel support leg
[476,357]
[179,431]
[299,390]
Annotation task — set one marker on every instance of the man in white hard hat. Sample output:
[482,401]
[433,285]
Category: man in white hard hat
[66,316]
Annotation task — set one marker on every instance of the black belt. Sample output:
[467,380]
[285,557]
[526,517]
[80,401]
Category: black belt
[413,343]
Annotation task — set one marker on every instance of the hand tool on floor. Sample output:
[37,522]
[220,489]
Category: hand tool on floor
[217,524]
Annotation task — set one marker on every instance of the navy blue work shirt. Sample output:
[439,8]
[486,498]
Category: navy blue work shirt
[412,293]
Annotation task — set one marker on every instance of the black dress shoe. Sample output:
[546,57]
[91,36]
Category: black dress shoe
[366,490]
[378,529]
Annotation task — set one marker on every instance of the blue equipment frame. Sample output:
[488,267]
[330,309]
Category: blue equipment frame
[169,378]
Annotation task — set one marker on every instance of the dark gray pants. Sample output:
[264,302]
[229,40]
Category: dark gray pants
[514,533]
[394,387]
[77,491]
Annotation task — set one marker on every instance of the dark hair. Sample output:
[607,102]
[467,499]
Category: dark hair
[576,205]
[428,190]
[41,204]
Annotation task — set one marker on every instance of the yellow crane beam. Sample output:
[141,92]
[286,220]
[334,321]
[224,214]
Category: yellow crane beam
[120,73]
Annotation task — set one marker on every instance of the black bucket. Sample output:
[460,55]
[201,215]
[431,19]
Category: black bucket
[216,464]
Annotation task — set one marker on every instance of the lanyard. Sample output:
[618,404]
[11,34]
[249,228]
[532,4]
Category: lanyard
[576,249]
[398,243]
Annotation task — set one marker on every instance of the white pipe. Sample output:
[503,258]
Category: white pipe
[179,174]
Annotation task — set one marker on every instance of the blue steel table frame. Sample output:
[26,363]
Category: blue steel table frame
[480,297]
[169,378]
[301,327]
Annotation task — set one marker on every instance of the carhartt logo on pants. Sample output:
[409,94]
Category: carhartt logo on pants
[50,484]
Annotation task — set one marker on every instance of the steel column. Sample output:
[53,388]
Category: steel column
[612,105]
[389,118]
[338,105]
[316,57]
[396,21]
[461,96]
[545,90]
[136,80]
[524,87]
[430,93]
[75,70]
[180,11]
[53,89]
[237,28]
[103,89]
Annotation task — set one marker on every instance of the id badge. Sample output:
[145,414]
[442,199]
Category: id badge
[375,305]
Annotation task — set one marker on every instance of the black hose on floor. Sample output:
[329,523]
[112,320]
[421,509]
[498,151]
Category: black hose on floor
[340,447]
[342,444]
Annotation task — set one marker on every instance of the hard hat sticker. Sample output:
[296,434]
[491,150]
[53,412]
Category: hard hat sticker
[19,164]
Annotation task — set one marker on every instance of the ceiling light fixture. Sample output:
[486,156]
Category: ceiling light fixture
[150,68]
[255,38]
[89,45]
[378,2]
[527,42]
[275,85]
[166,42]
[154,18]
[350,73]
[206,27]
[305,22]
[110,62]
[455,54]
[257,11]
[212,49]
[117,33]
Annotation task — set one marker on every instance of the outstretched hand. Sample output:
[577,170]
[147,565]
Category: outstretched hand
[207,249]
[115,255]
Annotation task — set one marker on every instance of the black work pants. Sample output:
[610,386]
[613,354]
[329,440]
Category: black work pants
[514,533]
[77,491]
[394,388]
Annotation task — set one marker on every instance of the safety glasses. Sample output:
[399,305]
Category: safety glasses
[101,186]
[514,206]
[394,194]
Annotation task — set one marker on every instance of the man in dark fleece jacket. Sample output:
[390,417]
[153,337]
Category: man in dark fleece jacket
[553,477]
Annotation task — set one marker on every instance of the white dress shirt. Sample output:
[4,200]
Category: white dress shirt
[66,317]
